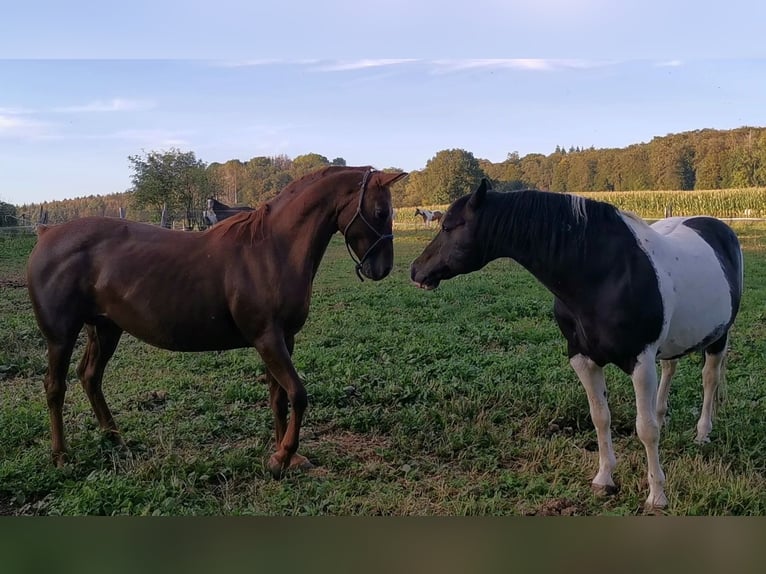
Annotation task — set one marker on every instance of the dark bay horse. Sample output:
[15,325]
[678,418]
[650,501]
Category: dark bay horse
[625,292]
[113,275]
[216,211]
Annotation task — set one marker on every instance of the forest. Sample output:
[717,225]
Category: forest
[704,159]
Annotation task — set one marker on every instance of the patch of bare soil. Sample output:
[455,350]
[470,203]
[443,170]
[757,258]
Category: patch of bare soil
[152,401]
[6,508]
[559,507]
[13,283]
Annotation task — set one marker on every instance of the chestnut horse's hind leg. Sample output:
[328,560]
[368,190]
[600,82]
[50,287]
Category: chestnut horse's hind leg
[101,344]
[59,355]
[275,350]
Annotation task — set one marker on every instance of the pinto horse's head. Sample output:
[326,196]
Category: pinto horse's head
[368,232]
[455,249]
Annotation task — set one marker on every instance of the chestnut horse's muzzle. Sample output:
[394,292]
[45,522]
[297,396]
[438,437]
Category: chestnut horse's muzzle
[381,237]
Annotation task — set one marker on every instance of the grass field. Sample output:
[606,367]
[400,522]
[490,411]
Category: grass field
[454,402]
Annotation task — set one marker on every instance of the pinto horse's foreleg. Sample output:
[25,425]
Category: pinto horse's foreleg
[275,353]
[648,429]
[592,378]
[101,344]
[712,383]
[668,370]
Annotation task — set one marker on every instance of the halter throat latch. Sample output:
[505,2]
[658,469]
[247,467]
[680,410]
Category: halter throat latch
[360,215]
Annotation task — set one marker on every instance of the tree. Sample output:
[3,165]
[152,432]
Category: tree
[7,214]
[449,175]
[338,161]
[173,179]
[305,164]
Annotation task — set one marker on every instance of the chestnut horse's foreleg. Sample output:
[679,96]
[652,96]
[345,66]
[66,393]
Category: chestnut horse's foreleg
[59,355]
[278,397]
[101,344]
[274,351]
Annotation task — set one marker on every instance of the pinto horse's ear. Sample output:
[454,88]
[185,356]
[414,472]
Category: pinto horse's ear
[477,197]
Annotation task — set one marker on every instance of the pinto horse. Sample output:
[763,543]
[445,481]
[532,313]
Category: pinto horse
[625,293]
[216,211]
[428,215]
[113,275]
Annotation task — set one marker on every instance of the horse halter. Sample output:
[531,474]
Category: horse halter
[360,215]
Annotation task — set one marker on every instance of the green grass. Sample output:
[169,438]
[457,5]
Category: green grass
[458,401]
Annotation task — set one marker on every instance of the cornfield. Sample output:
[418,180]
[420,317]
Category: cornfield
[723,203]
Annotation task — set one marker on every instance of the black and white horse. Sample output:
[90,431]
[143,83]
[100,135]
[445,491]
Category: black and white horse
[428,215]
[625,292]
[216,211]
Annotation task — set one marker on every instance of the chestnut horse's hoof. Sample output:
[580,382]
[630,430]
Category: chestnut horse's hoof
[59,459]
[297,462]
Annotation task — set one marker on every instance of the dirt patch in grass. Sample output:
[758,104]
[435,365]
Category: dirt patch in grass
[559,507]
[6,508]
[13,282]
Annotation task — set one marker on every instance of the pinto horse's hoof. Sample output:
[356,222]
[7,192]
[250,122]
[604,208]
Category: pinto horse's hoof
[297,462]
[604,490]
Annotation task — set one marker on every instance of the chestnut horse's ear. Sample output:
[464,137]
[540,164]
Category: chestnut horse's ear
[385,179]
[477,197]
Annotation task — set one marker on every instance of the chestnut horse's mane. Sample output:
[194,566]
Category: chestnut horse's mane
[251,225]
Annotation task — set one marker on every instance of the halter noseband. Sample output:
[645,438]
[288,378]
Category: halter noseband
[360,215]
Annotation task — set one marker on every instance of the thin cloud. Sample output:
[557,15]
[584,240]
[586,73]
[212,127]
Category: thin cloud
[346,65]
[531,64]
[259,63]
[113,105]
[15,127]
[670,64]
[151,138]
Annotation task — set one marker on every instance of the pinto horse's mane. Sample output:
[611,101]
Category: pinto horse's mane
[566,224]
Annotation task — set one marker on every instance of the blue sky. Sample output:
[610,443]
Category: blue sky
[85,84]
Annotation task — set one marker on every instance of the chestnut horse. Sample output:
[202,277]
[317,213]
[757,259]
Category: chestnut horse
[245,282]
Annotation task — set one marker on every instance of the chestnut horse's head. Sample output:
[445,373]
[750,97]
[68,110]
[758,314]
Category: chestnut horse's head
[368,232]
[455,249]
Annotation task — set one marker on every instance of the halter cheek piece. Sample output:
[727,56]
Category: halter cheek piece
[360,215]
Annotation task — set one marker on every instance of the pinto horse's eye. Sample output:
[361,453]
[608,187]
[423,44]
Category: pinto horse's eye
[448,226]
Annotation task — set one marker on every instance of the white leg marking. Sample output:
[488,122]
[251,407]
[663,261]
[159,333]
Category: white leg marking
[592,378]
[712,375]
[668,370]
[648,429]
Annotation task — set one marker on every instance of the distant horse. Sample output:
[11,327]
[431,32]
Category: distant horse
[113,275]
[428,215]
[625,292]
[216,211]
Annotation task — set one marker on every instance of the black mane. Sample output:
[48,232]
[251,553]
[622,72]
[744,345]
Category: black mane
[557,229]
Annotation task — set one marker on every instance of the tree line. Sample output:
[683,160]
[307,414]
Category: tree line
[180,182]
